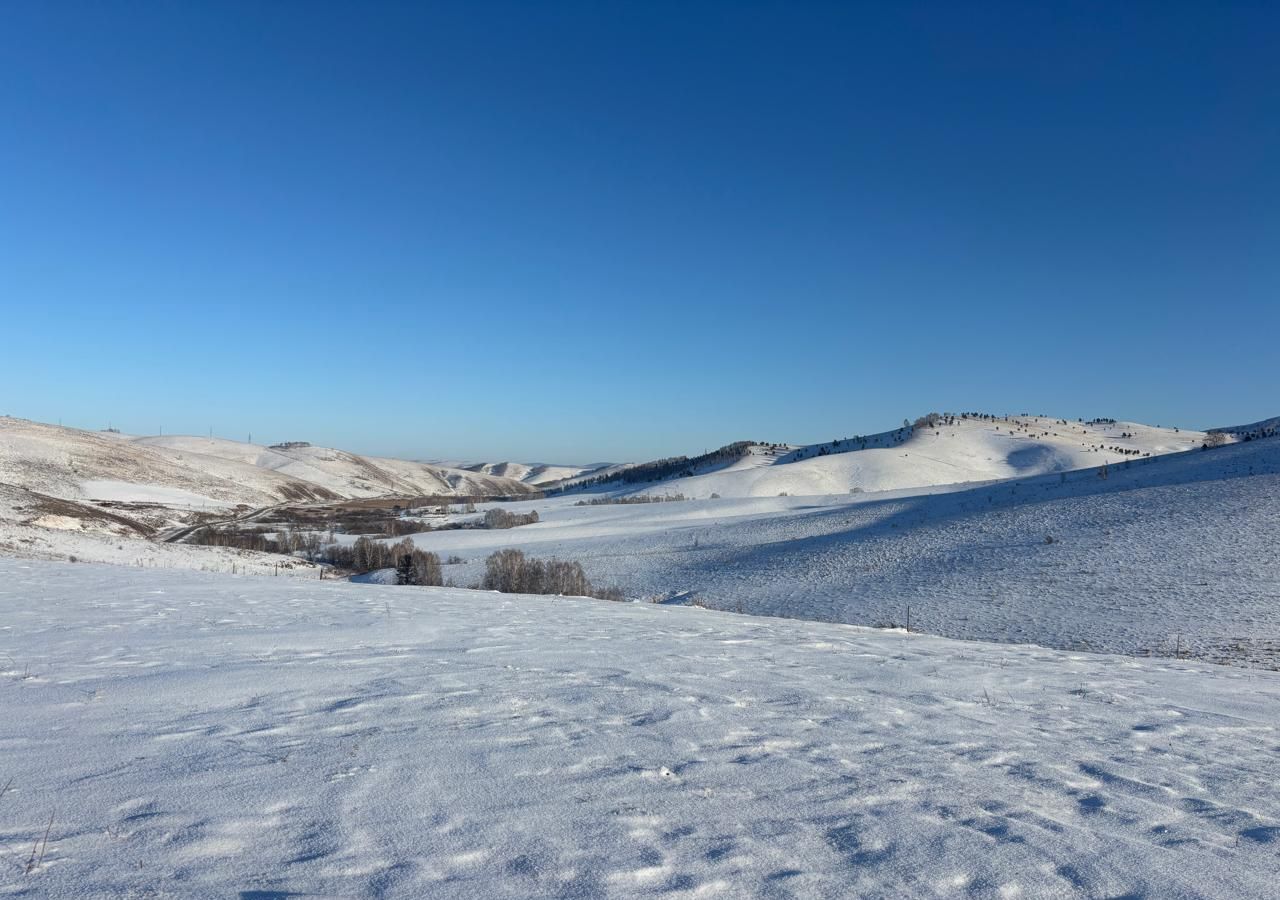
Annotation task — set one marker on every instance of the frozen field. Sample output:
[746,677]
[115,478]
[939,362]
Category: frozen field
[1163,555]
[184,734]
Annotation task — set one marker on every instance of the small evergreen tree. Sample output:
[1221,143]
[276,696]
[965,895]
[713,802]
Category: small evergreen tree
[405,573]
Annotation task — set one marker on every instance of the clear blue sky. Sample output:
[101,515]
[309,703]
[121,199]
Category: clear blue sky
[575,232]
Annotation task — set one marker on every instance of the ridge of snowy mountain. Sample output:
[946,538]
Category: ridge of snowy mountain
[343,473]
[1264,428]
[536,474]
[956,449]
[200,472]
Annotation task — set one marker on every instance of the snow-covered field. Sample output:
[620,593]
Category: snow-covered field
[1164,555]
[181,734]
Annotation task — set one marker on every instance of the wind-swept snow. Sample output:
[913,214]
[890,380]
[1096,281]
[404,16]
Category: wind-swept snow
[178,733]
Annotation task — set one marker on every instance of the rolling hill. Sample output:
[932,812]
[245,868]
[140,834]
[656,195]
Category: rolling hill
[536,474]
[1148,555]
[959,449]
[1252,431]
[197,472]
[344,474]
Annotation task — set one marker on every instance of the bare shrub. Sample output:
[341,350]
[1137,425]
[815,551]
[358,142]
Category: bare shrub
[637,498]
[500,518]
[505,571]
[511,572]
[565,577]
[398,527]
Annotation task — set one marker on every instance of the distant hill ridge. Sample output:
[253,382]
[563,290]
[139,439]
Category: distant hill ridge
[73,464]
[935,449]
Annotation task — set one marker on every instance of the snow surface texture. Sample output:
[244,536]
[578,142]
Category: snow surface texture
[1163,556]
[199,735]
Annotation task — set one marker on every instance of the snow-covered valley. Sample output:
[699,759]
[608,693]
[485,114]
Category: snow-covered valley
[1164,555]
[1052,724]
[1110,536]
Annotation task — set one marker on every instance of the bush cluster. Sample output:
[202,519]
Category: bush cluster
[367,555]
[511,572]
[637,498]
[500,518]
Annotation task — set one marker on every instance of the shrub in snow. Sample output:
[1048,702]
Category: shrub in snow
[500,518]
[511,572]
[419,567]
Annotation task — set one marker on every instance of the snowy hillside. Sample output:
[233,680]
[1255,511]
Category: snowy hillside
[1254,430]
[962,450]
[204,473]
[342,473]
[179,733]
[87,465]
[536,474]
[1163,555]
[37,526]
